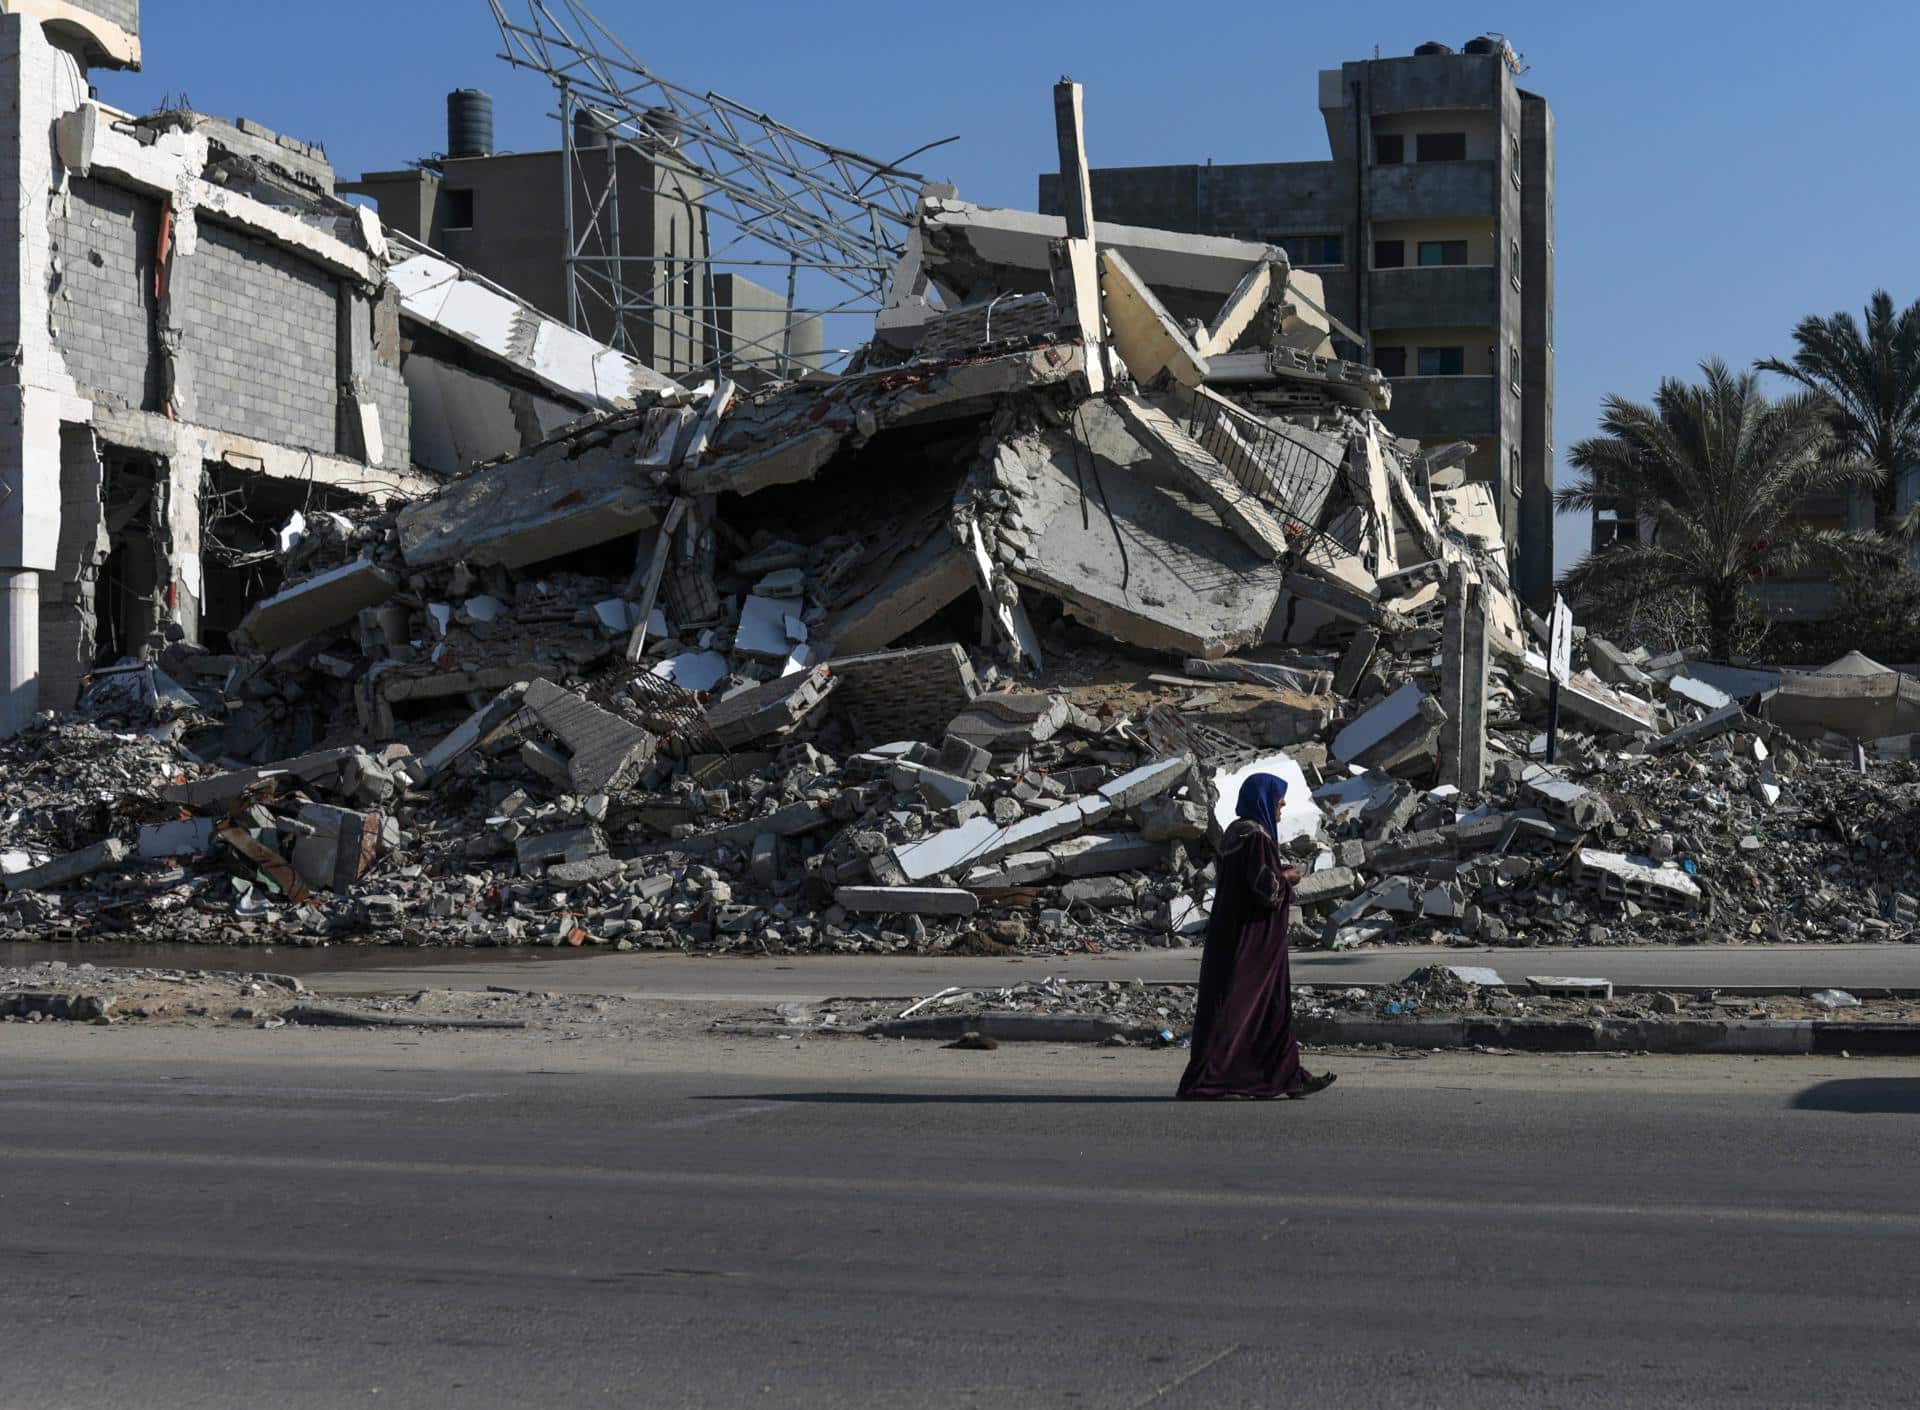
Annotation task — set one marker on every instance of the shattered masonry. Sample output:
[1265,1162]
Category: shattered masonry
[968,646]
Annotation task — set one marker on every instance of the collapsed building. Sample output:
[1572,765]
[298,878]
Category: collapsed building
[968,645]
[207,340]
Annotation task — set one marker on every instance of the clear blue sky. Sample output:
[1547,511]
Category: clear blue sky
[1724,168]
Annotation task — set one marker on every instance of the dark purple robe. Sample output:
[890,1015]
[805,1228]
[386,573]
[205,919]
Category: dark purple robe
[1243,1043]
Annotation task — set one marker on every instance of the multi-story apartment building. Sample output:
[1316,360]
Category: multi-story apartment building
[1432,227]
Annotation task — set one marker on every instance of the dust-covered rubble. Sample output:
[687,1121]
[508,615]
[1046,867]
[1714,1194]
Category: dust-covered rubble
[967,647]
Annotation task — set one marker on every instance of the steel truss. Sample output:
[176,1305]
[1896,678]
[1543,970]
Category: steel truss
[758,196]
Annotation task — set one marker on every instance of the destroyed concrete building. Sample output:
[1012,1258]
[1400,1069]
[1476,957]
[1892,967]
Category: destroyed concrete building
[966,647]
[1431,227]
[208,340]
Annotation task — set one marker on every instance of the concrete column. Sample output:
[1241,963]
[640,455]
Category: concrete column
[19,648]
[1463,683]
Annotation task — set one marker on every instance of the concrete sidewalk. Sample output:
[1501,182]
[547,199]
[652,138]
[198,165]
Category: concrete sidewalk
[815,977]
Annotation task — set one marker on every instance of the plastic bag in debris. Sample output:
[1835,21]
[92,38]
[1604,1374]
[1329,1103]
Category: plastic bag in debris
[1834,999]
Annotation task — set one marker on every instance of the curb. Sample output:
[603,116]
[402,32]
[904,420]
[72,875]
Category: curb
[1750,1037]
[1737,1037]
[324,1016]
[1009,1028]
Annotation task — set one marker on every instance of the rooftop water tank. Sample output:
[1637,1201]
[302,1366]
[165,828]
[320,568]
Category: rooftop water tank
[1432,46]
[469,123]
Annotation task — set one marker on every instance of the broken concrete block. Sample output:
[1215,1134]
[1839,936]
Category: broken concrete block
[1377,723]
[1171,820]
[941,790]
[1319,888]
[1021,869]
[908,900]
[1618,876]
[1300,681]
[1103,853]
[1008,720]
[762,630]
[474,729]
[909,694]
[320,603]
[948,851]
[604,751]
[64,870]
[1568,987]
[1097,891]
[1699,692]
[1147,781]
[770,710]
[1725,720]
[187,837]
[1611,665]
[537,853]
[787,821]
[965,760]
[1567,801]
[536,506]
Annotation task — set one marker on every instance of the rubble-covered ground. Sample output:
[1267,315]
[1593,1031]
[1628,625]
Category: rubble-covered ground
[968,647]
[1166,1009]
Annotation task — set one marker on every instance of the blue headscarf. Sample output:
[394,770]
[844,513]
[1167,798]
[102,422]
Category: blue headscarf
[1260,799]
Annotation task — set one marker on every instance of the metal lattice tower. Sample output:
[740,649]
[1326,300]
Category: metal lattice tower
[758,195]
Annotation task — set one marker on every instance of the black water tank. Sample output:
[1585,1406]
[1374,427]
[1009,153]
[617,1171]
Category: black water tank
[590,127]
[1432,46]
[1482,45]
[469,123]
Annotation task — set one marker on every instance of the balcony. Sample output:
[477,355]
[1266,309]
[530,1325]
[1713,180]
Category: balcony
[1435,296]
[1432,190]
[1444,408]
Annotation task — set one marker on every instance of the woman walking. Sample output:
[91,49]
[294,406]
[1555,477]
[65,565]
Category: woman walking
[1243,1043]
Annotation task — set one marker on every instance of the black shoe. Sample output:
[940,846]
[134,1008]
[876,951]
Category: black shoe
[1315,1084]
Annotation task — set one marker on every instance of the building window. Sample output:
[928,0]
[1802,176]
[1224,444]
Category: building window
[1389,149]
[1434,252]
[1513,366]
[1392,362]
[1303,250]
[1389,254]
[1513,168]
[1513,467]
[1443,362]
[1440,147]
[459,208]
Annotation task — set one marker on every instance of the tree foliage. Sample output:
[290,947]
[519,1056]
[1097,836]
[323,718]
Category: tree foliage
[1869,378]
[1720,474]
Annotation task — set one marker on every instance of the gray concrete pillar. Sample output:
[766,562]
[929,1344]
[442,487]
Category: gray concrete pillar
[19,648]
[1463,683]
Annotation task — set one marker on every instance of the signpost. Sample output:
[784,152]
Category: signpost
[1559,667]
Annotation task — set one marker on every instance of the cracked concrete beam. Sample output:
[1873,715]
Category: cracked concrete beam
[1144,334]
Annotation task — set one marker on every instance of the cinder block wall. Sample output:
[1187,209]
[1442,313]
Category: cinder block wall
[262,340]
[103,308]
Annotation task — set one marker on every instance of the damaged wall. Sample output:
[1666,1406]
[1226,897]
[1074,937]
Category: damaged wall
[104,240]
[262,339]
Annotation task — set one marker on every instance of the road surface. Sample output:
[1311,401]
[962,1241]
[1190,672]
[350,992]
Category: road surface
[300,1219]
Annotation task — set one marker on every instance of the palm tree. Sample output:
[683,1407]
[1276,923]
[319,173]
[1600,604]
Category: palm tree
[1871,383]
[1721,473]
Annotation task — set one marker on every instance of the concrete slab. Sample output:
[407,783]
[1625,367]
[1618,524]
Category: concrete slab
[908,900]
[317,604]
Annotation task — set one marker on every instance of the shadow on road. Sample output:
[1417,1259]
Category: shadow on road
[1863,1094]
[936,1098]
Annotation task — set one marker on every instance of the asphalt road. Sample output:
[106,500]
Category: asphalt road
[384,970]
[307,1220]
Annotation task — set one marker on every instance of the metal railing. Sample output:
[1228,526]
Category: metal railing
[1295,482]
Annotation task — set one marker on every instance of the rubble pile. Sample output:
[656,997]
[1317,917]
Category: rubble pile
[856,663]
